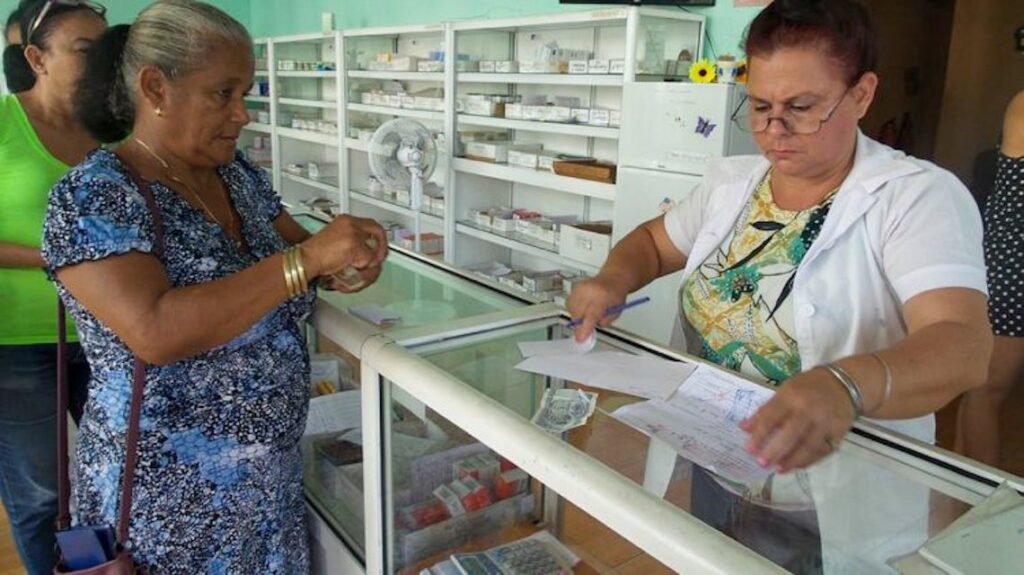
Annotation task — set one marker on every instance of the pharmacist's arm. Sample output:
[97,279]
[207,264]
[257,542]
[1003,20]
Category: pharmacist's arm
[19,256]
[643,256]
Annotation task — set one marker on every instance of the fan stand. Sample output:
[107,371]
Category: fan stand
[416,199]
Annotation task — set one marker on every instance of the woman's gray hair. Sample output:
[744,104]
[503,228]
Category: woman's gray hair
[175,37]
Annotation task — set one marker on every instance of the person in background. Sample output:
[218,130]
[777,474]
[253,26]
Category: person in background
[846,274]
[40,138]
[18,76]
[981,409]
[217,313]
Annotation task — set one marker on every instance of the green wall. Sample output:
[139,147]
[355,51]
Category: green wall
[275,18]
[121,11]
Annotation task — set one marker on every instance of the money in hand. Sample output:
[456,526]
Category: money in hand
[563,409]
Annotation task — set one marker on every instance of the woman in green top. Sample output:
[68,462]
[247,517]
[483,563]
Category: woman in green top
[40,139]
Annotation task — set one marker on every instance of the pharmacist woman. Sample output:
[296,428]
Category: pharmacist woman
[847,274]
[40,138]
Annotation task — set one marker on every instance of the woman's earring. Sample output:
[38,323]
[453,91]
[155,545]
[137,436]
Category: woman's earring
[159,112]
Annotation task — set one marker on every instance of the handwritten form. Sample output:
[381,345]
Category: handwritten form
[701,422]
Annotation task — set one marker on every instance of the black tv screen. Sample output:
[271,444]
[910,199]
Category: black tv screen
[644,2]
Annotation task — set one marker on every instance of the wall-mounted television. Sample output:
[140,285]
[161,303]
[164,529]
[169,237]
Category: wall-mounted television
[644,2]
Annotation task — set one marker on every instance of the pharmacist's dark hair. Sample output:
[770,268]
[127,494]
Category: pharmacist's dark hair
[841,28]
[17,70]
[173,36]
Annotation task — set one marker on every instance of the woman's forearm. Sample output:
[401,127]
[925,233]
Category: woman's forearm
[20,256]
[930,368]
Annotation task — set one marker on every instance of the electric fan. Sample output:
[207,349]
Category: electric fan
[403,156]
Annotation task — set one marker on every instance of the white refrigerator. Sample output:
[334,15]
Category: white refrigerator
[669,133]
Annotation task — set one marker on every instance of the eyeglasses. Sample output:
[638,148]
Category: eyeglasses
[97,8]
[795,120]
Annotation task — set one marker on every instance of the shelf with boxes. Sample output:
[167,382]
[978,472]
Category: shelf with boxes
[525,114]
[537,130]
[396,72]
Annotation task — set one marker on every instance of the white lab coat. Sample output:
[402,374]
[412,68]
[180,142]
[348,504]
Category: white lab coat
[898,227]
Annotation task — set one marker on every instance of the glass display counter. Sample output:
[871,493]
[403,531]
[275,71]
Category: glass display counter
[458,469]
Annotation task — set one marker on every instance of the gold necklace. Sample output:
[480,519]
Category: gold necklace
[209,212]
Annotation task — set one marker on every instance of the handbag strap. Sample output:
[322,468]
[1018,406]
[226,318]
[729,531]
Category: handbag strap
[135,410]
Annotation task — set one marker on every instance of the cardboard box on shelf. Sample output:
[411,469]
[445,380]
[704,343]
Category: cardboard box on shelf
[523,158]
[579,67]
[487,66]
[588,243]
[617,66]
[506,67]
[581,115]
[599,117]
[615,118]
[430,66]
[543,66]
[496,152]
[599,66]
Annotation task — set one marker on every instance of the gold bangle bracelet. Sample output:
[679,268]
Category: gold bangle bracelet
[289,278]
[303,283]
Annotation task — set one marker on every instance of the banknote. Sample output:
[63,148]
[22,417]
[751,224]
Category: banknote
[563,409]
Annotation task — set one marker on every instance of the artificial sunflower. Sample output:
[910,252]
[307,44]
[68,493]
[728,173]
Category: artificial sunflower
[702,72]
[742,69]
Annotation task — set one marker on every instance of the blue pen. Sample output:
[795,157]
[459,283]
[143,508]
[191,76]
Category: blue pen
[614,310]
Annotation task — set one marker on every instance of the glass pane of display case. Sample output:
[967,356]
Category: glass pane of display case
[666,47]
[418,294]
[460,507]
[853,512]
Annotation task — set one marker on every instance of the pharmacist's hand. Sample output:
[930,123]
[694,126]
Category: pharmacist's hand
[802,423]
[588,302]
[366,277]
[347,241]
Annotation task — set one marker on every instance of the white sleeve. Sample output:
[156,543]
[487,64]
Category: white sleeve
[933,238]
[684,220]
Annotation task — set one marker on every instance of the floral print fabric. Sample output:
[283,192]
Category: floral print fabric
[738,299]
[218,483]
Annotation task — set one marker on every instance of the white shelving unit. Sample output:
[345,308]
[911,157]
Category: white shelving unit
[334,96]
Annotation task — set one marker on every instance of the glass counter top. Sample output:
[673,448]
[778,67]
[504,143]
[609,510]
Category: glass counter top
[853,512]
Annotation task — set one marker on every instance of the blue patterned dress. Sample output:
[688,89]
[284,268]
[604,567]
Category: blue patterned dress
[218,484]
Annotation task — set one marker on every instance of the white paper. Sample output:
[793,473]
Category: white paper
[567,346]
[375,314]
[700,421]
[640,376]
[333,412]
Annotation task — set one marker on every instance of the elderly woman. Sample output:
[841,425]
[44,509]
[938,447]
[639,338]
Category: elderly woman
[40,139]
[845,273]
[216,313]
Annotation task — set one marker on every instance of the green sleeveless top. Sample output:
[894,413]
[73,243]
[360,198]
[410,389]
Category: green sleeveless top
[28,301]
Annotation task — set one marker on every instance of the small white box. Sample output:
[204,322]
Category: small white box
[404,63]
[615,118]
[496,151]
[430,66]
[534,113]
[546,161]
[394,100]
[586,243]
[542,281]
[599,117]
[263,117]
[543,66]
[403,197]
[481,218]
[581,115]
[579,67]
[514,111]
[479,107]
[437,206]
[366,98]
[560,114]
[379,99]
[506,67]
[409,103]
[522,159]
[599,66]
[617,66]
[438,104]
[503,223]
[467,66]
[487,66]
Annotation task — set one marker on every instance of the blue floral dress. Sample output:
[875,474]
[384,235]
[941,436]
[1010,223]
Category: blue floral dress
[218,485]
